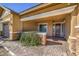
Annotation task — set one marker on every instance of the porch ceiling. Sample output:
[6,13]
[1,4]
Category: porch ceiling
[52,18]
[50,13]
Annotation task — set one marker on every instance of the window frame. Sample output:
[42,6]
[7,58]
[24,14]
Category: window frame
[43,24]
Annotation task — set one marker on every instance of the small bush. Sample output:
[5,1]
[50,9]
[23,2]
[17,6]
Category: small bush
[30,39]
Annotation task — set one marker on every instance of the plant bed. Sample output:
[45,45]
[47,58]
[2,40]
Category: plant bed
[30,39]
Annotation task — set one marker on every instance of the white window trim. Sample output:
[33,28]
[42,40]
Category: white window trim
[42,24]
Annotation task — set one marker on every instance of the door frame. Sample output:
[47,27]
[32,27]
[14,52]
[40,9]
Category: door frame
[61,23]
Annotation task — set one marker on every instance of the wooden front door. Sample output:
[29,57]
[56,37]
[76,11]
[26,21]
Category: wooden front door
[58,30]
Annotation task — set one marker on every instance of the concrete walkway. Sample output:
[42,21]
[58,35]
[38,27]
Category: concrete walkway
[48,50]
[3,51]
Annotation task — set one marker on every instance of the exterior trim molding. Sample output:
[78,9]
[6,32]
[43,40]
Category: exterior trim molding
[36,7]
[50,13]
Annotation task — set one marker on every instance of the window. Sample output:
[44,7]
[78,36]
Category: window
[43,28]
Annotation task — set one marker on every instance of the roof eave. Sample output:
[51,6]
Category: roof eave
[34,8]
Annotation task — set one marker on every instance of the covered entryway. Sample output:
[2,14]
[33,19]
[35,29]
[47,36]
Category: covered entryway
[6,30]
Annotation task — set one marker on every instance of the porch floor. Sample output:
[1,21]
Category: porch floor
[55,40]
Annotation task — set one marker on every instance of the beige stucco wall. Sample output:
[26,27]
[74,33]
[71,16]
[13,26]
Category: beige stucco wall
[16,23]
[16,26]
[29,26]
[33,26]
[67,26]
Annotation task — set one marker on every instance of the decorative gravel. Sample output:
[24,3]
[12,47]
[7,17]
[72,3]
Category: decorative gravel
[48,50]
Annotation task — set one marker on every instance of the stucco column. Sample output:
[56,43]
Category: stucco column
[14,26]
[72,37]
[10,27]
[77,32]
[44,39]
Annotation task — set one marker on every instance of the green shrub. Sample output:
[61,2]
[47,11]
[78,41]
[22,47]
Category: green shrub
[30,39]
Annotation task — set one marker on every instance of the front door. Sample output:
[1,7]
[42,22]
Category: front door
[58,30]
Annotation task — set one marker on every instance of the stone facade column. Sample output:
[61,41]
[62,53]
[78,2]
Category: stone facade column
[72,37]
[77,31]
